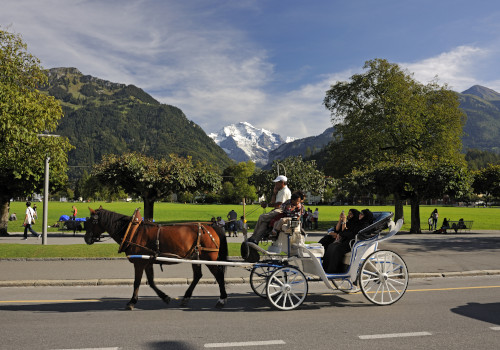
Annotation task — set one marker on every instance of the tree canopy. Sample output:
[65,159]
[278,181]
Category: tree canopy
[25,113]
[384,112]
[153,179]
[385,115]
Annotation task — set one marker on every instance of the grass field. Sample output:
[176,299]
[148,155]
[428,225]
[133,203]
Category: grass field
[484,219]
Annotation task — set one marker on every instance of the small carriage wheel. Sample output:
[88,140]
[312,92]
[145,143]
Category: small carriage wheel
[258,278]
[345,285]
[383,277]
[286,288]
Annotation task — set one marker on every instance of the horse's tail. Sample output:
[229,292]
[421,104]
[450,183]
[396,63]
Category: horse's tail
[223,249]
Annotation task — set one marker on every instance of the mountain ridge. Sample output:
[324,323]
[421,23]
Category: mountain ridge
[102,117]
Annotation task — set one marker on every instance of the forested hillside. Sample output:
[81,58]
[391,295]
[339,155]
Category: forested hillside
[482,130]
[101,117]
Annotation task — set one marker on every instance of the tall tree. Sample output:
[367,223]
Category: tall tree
[153,179]
[25,113]
[384,113]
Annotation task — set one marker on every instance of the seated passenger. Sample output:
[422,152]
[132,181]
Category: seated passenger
[292,208]
[332,234]
[334,255]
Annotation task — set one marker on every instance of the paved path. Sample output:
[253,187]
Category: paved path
[427,255]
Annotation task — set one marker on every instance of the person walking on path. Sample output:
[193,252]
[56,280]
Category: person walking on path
[29,219]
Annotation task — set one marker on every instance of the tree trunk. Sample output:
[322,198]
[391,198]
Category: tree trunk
[398,208]
[149,204]
[4,215]
[415,215]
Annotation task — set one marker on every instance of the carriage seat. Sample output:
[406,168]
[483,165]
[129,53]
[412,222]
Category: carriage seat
[381,221]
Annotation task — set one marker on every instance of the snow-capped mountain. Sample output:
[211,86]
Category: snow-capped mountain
[243,142]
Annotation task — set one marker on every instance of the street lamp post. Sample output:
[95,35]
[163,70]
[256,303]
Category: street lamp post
[45,201]
[46,193]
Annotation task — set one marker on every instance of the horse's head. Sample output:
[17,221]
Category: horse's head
[93,229]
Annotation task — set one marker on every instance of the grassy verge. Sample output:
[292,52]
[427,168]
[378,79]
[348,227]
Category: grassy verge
[31,251]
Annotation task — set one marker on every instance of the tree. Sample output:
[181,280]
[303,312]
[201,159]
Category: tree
[153,179]
[487,182]
[415,181]
[236,187]
[384,114]
[25,112]
[302,176]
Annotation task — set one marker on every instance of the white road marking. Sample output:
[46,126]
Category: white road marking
[495,328]
[246,343]
[91,349]
[394,335]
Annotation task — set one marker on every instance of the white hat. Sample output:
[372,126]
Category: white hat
[281,178]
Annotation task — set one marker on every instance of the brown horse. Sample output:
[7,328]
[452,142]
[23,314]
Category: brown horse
[188,241]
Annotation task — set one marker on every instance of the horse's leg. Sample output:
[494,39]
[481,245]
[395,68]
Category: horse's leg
[196,278]
[151,280]
[218,272]
[139,269]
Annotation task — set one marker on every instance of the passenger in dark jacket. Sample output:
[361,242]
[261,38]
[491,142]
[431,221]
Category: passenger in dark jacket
[334,255]
[333,233]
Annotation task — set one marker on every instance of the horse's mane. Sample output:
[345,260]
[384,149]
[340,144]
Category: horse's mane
[116,221]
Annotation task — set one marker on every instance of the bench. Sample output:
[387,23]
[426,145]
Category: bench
[460,225]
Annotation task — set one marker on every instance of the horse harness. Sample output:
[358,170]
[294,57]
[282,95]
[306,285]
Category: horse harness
[193,253]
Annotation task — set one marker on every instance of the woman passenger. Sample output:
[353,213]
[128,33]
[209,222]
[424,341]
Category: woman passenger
[334,255]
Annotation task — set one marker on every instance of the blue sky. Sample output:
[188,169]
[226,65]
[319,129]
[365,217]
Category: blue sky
[267,62]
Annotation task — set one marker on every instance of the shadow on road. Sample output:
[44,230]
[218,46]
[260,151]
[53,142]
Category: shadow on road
[483,312]
[236,303]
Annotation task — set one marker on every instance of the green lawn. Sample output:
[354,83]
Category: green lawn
[484,219]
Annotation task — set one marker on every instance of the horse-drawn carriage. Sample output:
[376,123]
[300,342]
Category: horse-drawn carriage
[282,277]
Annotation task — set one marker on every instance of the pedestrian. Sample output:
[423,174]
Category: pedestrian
[232,216]
[36,213]
[29,219]
[242,224]
[222,224]
[435,217]
[315,218]
[74,211]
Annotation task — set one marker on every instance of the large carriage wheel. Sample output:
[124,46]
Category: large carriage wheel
[383,277]
[345,285]
[258,279]
[286,288]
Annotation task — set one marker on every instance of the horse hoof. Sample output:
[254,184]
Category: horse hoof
[185,301]
[166,299]
[129,307]
[220,303]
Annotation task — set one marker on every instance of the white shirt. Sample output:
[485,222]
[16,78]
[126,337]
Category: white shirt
[30,215]
[283,195]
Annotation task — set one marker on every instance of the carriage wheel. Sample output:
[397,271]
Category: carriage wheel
[383,277]
[286,288]
[258,279]
[345,285]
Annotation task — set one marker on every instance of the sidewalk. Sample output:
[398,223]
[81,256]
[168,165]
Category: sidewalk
[426,255]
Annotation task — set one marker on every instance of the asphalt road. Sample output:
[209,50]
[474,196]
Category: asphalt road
[436,313]
[425,255]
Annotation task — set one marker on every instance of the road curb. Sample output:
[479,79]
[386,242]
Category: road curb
[187,281]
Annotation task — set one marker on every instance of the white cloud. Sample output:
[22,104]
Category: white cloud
[184,55]
[457,68]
